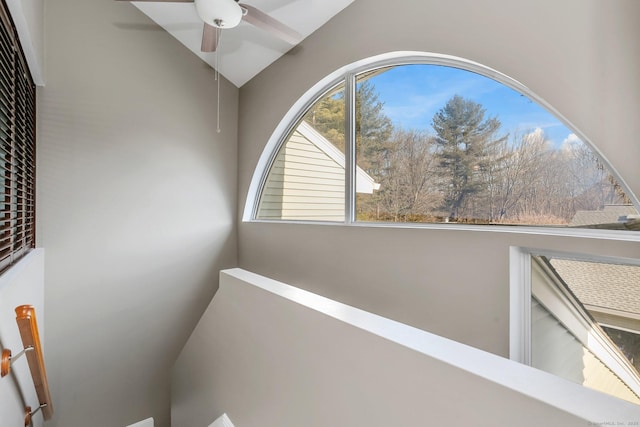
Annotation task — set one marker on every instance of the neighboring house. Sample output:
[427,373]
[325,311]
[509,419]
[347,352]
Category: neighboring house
[611,217]
[307,181]
[571,301]
[609,292]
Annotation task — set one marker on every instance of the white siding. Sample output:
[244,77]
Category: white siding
[554,349]
[304,183]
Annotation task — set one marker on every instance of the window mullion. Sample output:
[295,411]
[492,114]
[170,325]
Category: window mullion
[350,148]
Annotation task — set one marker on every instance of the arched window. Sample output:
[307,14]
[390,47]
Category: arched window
[435,139]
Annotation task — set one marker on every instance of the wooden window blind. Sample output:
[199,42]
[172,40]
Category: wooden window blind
[17,147]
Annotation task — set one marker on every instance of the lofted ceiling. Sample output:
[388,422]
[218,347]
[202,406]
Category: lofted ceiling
[245,50]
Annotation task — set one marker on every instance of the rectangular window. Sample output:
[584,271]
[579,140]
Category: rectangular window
[576,316]
[17,147]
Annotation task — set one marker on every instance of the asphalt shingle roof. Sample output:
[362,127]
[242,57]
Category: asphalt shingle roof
[610,214]
[612,286]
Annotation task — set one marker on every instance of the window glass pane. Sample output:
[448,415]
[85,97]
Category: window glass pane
[628,342]
[440,144]
[584,323]
[307,178]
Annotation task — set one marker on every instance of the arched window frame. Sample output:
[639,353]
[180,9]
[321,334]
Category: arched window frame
[348,75]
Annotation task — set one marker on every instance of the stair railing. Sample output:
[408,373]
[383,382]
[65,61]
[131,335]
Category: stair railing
[28,327]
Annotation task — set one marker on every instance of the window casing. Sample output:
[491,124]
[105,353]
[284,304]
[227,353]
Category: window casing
[565,311]
[405,165]
[17,147]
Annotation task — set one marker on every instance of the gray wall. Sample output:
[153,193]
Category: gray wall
[578,55]
[269,356]
[136,207]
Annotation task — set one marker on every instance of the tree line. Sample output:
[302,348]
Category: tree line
[467,170]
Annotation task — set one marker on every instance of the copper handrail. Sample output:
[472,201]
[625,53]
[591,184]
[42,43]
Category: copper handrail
[28,327]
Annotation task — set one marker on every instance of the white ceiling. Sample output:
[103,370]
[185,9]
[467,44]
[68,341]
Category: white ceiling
[245,50]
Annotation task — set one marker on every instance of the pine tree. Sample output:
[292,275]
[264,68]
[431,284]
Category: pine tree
[465,140]
[373,129]
[327,117]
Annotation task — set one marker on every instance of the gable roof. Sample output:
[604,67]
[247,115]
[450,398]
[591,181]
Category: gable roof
[364,182]
[610,292]
[609,215]
[611,286]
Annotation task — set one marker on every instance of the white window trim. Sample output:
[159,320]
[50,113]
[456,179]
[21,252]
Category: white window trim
[346,75]
[520,305]
[563,306]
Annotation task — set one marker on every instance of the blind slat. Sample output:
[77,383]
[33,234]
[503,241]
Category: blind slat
[17,147]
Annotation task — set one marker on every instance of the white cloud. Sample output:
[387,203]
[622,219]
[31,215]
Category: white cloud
[537,133]
[536,137]
[571,139]
[571,143]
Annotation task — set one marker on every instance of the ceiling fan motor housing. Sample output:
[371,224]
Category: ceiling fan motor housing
[219,13]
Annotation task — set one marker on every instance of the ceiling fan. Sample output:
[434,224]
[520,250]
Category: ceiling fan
[223,14]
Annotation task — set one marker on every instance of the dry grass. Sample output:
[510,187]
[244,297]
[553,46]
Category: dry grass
[433,219]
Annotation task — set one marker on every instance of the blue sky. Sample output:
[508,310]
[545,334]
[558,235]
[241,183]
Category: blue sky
[412,94]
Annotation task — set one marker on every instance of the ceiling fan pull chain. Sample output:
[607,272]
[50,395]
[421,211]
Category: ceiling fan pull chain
[218,109]
[218,30]
[217,74]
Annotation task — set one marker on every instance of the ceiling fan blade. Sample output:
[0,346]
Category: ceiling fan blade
[261,20]
[209,38]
